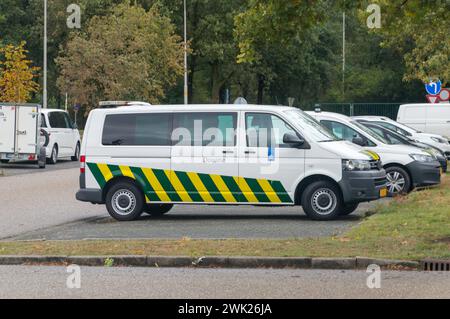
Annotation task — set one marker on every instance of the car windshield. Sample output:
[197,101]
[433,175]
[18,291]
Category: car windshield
[370,132]
[311,127]
[406,127]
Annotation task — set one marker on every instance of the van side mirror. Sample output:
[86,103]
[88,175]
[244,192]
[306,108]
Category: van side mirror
[358,140]
[293,140]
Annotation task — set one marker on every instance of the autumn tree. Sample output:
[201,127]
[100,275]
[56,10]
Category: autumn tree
[17,75]
[129,54]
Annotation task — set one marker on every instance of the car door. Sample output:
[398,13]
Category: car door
[269,168]
[204,157]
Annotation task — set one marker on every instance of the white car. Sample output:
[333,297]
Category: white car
[62,138]
[407,167]
[434,140]
[140,159]
[429,118]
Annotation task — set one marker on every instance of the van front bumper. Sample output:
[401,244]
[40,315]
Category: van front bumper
[94,196]
[425,174]
[363,186]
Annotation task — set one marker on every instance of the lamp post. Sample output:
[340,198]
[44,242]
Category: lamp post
[44,95]
[186,93]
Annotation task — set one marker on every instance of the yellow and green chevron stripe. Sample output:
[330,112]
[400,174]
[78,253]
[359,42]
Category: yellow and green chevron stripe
[189,187]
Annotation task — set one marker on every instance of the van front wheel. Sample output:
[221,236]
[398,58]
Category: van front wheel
[124,202]
[322,201]
[156,210]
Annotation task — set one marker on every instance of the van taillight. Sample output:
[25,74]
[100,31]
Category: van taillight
[82,164]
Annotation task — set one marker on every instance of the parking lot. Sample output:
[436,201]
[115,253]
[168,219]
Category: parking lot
[42,205]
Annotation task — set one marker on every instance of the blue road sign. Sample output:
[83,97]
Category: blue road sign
[434,88]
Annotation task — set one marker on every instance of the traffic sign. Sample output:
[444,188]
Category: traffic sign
[433,88]
[433,99]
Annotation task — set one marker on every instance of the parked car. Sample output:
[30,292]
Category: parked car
[139,159]
[406,166]
[429,118]
[434,140]
[61,134]
[395,138]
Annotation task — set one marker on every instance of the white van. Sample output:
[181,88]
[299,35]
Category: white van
[146,159]
[434,140]
[407,167]
[62,138]
[429,118]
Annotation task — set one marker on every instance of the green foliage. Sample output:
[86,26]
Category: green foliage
[128,54]
[419,31]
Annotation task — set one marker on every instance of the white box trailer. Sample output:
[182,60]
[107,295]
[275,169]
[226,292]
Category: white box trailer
[20,134]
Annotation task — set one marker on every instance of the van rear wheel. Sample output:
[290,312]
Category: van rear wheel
[322,201]
[125,201]
[157,209]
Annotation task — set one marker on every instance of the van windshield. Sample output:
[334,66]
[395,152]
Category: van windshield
[316,131]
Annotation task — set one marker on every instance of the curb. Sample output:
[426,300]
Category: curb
[211,262]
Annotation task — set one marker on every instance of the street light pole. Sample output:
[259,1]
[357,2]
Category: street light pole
[44,95]
[186,94]
[343,53]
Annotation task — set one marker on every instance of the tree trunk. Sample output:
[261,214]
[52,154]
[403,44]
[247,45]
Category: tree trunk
[191,74]
[216,84]
[261,86]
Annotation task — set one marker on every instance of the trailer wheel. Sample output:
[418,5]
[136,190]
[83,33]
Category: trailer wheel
[42,160]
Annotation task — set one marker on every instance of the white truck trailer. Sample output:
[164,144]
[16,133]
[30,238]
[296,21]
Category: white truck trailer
[20,134]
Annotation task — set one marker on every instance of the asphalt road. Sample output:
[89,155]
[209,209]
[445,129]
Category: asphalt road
[42,205]
[30,168]
[125,283]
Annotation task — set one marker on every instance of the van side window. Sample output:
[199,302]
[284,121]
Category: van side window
[266,130]
[57,120]
[344,132]
[204,129]
[137,129]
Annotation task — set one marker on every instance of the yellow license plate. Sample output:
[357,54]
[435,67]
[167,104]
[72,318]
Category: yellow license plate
[383,192]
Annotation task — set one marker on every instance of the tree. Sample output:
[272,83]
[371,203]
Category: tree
[418,30]
[16,75]
[130,54]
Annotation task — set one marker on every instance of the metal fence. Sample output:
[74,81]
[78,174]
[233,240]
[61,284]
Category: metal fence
[355,109]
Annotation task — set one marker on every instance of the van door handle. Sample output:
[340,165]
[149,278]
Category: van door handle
[250,152]
[227,152]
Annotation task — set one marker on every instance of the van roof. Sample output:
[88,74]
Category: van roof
[329,115]
[425,104]
[197,107]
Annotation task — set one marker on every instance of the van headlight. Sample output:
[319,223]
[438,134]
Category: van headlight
[356,165]
[422,157]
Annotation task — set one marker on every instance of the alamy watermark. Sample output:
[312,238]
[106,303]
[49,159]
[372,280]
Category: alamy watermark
[74,18]
[74,279]
[374,19]
[374,279]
